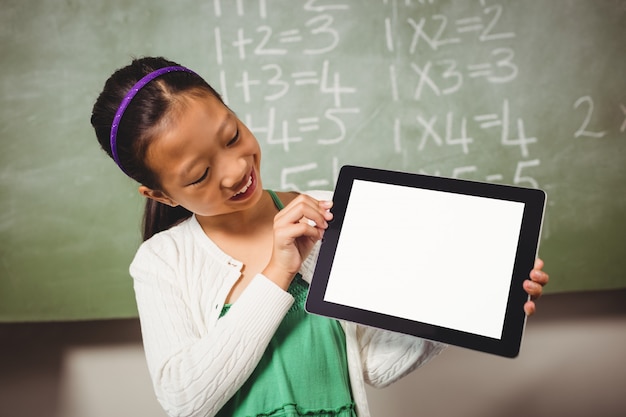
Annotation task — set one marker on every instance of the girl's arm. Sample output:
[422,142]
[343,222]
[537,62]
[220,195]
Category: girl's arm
[196,361]
[197,366]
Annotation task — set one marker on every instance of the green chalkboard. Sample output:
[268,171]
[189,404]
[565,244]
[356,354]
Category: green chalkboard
[529,92]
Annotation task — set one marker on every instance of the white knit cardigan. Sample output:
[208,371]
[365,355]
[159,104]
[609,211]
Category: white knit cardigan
[197,362]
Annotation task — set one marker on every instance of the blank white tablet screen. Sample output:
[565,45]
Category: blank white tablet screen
[429,256]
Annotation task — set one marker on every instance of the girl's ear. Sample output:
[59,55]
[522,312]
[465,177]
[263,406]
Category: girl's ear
[157,195]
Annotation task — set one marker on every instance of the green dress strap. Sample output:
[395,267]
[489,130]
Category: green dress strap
[279,204]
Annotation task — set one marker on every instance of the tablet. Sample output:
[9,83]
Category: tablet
[439,258]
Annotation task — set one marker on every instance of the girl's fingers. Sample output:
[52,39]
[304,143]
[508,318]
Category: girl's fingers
[533,289]
[540,277]
[306,210]
[534,286]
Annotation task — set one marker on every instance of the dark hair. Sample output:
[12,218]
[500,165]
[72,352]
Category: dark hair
[137,127]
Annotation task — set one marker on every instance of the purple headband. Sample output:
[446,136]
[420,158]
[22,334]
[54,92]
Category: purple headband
[126,101]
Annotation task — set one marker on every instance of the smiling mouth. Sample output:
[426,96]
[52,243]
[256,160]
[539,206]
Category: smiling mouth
[245,187]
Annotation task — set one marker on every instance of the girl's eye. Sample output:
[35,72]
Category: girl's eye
[234,139]
[202,178]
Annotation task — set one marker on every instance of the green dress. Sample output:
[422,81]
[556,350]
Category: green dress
[304,370]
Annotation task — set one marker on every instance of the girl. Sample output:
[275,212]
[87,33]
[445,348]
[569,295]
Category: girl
[222,275]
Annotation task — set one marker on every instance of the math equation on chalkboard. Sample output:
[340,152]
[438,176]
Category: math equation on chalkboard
[422,86]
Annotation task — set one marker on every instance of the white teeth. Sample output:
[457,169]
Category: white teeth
[245,187]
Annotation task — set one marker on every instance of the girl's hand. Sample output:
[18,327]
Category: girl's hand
[297,228]
[534,286]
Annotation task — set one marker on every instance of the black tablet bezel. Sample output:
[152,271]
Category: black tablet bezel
[515,318]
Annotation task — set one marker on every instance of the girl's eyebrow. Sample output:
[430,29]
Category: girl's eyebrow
[186,169]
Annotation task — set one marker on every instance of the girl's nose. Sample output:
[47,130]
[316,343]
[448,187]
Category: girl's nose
[235,172]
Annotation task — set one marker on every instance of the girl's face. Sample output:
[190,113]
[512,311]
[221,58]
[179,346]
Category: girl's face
[206,159]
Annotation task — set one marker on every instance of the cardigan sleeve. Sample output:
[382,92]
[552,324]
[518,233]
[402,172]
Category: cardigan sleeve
[196,369]
[388,356]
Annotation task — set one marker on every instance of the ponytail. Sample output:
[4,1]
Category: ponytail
[158,217]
